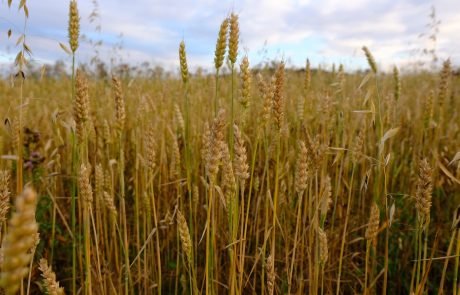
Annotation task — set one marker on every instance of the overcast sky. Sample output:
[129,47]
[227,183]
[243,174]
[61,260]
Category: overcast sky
[325,31]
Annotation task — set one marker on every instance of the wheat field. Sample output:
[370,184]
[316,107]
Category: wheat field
[243,180]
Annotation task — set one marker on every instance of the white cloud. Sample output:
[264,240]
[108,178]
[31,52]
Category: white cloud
[323,30]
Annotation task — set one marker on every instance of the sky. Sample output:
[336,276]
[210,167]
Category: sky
[326,31]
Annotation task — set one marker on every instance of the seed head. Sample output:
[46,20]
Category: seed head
[240,160]
[245,83]
[323,248]
[183,62]
[49,279]
[233,39]
[184,235]
[373,225]
[179,118]
[214,146]
[302,169]
[99,178]
[370,59]
[110,204]
[221,44]
[74,25]
[270,266]
[150,148]
[81,104]
[326,200]
[120,112]
[84,185]
[18,242]
[307,76]
[397,81]
[175,164]
[4,194]
[228,178]
[278,97]
[423,191]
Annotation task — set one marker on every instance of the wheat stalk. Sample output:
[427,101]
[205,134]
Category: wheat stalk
[245,83]
[120,112]
[81,105]
[233,39]
[370,59]
[240,164]
[423,192]
[183,62]
[19,240]
[221,44]
[74,25]
[4,195]
[49,279]
[270,266]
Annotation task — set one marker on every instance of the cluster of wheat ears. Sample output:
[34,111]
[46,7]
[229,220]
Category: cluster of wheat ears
[244,181]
